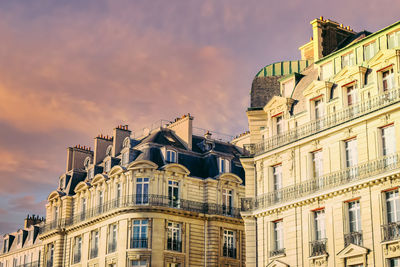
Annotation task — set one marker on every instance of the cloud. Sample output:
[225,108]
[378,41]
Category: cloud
[27,204]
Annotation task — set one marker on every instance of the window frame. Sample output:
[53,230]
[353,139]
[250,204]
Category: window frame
[372,47]
[229,249]
[143,238]
[142,185]
[278,235]
[350,57]
[319,224]
[174,191]
[168,156]
[174,234]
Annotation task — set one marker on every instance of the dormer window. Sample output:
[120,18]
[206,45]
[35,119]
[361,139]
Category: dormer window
[125,158]
[127,143]
[223,165]
[62,183]
[109,150]
[19,239]
[86,163]
[393,40]
[369,51]
[171,156]
[90,173]
[348,60]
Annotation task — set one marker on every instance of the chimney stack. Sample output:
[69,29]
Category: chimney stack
[183,128]
[76,157]
[101,142]
[119,134]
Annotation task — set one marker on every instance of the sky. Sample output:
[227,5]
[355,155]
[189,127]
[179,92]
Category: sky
[71,69]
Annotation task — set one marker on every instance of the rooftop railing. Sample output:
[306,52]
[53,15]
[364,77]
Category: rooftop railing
[137,201]
[326,122]
[329,181]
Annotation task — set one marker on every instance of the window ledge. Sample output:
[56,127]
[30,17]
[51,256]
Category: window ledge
[278,256]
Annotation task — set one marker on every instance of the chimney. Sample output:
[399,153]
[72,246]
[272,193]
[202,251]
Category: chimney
[76,156]
[183,128]
[101,142]
[327,35]
[32,220]
[120,133]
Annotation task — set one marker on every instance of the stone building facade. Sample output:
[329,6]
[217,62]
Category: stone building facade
[170,198]
[323,167]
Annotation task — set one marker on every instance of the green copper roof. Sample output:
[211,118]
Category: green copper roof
[283,68]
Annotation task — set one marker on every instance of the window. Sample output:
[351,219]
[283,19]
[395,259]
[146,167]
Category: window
[62,182]
[278,235]
[55,214]
[5,247]
[139,234]
[317,163]
[112,238]
[15,262]
[369,51]
[50,255]
[354,235]
[100,201]
[29,236]
[227,201]
[108,165]
[125,158]
[387,80]
[394,262]
[139,263]
[174,239]
[393,206]
[277,176]
[77,249]
[91,173]
[279,125]
[171,156]
[173,194]
[393,40]
[351,95]
[142,190]
[348,60]
[319,224]
[223,165]
[388,140]
[19,239]
[83,209]
[229,247]
[94,249]
[351,153]
[318,109]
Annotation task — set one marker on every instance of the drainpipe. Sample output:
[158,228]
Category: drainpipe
[255,191]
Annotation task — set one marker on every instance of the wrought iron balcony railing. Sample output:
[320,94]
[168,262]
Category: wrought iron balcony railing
[174,244]
[229,251]
[391,231]
[137,201]
[30,264]
[326,122]
[355,238]
[138,242]
[329,181]
[318,247]
[277,252]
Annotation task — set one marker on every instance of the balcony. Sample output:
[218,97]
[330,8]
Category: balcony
[30,264]
[138,201]
[94,252]
[138,242]
[174,244]
[329,181]
[318,247]
[353,238]
[277,252]
[391,231]
[229,251]
[329,121]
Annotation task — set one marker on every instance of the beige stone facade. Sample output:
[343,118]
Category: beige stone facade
[169,199]
[323,169]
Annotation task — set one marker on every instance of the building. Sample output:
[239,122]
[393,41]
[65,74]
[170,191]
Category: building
[322,166]
[23,248]
[169,198]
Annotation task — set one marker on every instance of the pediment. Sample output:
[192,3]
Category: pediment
[349,73]
[352,250]
[81,186]
[177,168]
[142,164]
[277,263]
[99,178]
[230,177]
[316,88]
[277,103]
[383,57]
[115,170]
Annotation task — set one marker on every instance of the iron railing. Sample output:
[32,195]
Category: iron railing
[137,201]
[138,242]
[355,238]
[229,251]
[391,231]
[174,244]
[277,252]
[30,264]
[94,252]
[329,181]
[326,122]
[318,247]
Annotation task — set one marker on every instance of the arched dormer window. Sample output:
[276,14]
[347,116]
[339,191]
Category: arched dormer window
[126,143]
[109,150]
[86,163]
[62,183]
